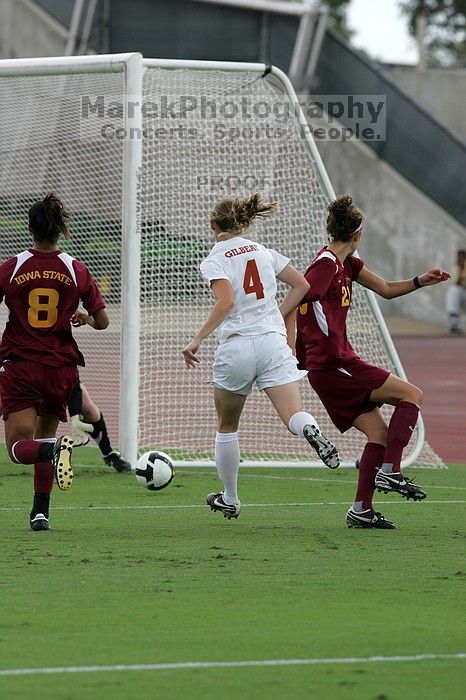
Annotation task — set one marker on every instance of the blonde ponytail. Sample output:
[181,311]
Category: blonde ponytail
[235,215]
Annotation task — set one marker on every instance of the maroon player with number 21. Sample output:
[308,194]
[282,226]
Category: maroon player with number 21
[351,389]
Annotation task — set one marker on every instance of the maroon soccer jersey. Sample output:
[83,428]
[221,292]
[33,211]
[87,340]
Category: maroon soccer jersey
[42,290]
[321,320]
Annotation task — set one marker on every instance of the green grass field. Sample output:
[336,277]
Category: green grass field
[127,578]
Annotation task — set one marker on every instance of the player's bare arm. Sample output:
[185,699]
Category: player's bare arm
[223,291]
[299,287]
[98,320]
[290,325]
[392,289]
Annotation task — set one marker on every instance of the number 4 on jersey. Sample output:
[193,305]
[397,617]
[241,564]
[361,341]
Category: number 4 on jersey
[252,282]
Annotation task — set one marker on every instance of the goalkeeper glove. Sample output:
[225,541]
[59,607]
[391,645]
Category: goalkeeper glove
[80,430]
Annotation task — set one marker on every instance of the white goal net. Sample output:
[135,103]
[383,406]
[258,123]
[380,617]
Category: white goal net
[197,133]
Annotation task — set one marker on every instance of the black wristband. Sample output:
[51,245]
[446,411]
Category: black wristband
[417,284]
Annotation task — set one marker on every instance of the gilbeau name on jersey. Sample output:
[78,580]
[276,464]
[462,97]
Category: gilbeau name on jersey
[239,251]
[43,274]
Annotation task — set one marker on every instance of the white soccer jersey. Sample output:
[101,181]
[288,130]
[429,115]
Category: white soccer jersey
[251,270]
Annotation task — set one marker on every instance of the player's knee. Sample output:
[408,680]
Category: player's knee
[91,412]
[412,394]
[418,396]
[91,416]
[376,433]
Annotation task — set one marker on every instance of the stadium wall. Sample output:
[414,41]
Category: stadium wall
[27,30]
[441,92]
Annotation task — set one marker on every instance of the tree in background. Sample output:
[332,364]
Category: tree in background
[338,16]
[446,29]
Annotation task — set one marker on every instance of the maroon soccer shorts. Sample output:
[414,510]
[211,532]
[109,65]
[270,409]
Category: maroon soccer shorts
[345,391]
[25,384]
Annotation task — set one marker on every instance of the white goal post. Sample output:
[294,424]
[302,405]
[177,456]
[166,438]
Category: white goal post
[140,150]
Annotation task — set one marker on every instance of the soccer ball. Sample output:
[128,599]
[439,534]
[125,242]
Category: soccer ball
[154,470]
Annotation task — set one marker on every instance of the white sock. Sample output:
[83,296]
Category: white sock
[299,420]
[227,458]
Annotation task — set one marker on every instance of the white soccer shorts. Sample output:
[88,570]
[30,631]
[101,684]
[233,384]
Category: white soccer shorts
[265,359]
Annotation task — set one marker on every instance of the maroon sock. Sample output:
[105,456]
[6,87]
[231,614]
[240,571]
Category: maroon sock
[370,462]
[400,429]
[32,451]
[43,477]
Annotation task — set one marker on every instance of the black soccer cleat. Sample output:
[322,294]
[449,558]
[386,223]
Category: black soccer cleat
[327,452]
[61,462]
[397,483]
[114,459]
[216,502]
[39,522]
[368,519]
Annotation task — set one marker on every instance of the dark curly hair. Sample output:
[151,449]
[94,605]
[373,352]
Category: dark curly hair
[47,219]
[343,219]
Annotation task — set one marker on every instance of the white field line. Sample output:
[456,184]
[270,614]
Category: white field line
[330,481]
[183,665]
[167,506]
